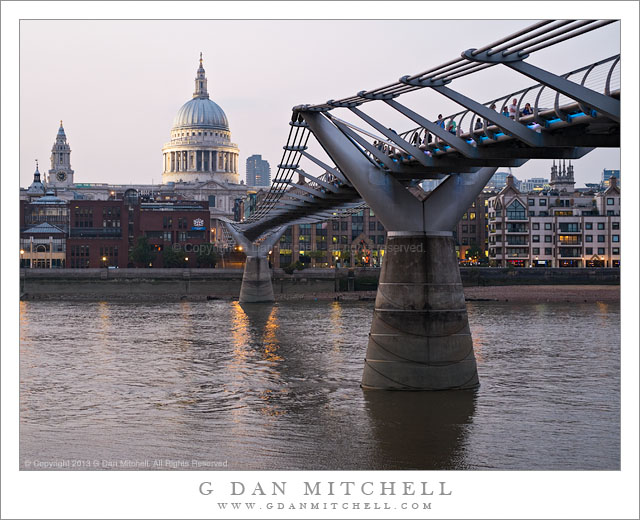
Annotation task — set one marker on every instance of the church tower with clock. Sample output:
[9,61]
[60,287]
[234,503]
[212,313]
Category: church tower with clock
[60,173]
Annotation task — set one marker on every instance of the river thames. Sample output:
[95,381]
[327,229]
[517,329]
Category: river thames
[220,385]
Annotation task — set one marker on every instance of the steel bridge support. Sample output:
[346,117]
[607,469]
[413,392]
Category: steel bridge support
[420,337]
[256,279]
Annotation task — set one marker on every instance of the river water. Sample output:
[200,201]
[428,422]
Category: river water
[202,385]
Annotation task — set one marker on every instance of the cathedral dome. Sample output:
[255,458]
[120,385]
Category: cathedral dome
[200,149]
[201,112]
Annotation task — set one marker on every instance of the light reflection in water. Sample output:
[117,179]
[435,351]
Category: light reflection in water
[265,344]
[273,387]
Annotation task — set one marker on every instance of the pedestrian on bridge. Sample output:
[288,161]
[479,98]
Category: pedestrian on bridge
[513,108]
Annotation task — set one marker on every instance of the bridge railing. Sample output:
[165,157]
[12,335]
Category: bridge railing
[546,105]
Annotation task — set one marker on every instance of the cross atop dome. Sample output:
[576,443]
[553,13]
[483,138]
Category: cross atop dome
[201,83]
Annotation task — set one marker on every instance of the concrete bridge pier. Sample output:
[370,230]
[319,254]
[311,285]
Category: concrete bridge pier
[256,279]
[420,337]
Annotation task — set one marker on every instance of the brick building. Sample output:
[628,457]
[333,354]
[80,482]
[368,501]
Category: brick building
[102,233]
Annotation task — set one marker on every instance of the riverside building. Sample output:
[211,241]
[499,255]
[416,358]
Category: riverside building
[83,234]
[555,228]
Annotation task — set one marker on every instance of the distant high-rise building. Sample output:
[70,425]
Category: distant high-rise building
[258,171]
[607,174]
[497,181]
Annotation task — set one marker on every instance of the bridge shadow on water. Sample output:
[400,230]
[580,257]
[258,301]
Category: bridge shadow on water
[401,430]
[420,430]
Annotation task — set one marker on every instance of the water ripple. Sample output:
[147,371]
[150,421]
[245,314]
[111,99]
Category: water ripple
[277,387]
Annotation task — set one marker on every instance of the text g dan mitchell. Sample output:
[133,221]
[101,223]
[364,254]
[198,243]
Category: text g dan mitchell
[345,488]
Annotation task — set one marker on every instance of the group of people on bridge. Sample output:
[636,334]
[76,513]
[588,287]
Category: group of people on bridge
[452,127]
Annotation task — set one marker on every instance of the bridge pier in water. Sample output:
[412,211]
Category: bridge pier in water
[256,281]
[420,337]
[256,278]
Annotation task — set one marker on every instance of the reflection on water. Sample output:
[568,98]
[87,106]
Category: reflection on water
[416,430]
[276,386]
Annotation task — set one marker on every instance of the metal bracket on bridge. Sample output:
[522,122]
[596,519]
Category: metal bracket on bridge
[423,82]
[498,57]
[344,104]
[294,148]
[367,95]
[309,108]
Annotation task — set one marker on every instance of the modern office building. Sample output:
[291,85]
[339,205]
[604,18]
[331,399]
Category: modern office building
[606,176]
[258,171]
[497,181]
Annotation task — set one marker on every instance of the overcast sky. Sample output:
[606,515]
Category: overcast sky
[118,84]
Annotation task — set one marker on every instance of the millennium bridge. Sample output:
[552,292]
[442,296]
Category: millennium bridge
[420,337]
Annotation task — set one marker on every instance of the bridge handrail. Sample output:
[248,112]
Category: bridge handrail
[528,40]
[555,98]
[536,106]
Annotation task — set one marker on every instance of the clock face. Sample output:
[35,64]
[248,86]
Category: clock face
[61,176]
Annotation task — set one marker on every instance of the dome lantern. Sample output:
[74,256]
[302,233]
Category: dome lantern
[201,83]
